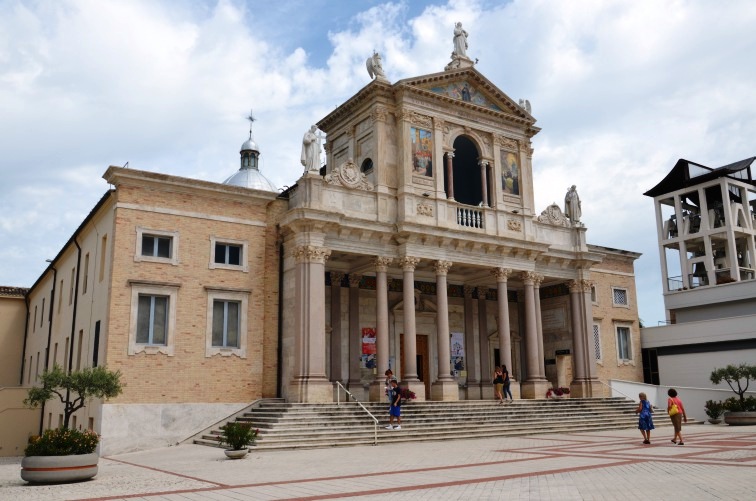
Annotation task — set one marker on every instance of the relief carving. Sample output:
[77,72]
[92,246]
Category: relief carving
[349,175]
[553,215]
[514,225]
[379,114]
[507,143]
[311,254]
[424,209]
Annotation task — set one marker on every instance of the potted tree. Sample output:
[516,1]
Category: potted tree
[740,410]
[714,410]
[65,454]
[238,436]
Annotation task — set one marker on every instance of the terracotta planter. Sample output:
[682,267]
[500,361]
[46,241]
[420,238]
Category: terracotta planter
[236,454]
[59,469]
[740,418]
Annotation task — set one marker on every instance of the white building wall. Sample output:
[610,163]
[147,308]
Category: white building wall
[694,369]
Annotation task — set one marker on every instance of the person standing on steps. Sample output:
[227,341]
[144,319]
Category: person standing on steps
[498,382]
[395,410]
[507,384]
[389,377]
[676,411]
[645,421]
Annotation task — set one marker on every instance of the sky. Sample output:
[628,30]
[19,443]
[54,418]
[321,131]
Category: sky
[621,89]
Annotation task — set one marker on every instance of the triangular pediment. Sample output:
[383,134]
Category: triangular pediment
[468,87]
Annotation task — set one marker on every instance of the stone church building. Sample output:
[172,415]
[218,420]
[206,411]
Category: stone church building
[416,247]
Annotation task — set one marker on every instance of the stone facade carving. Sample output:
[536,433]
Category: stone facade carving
[529,277]
[514,225]
[408,263]
[424,209]
[507,143]
[382,263]
[379,114]
[349,175]
[311,254]
[553,215]
[439,123]
[442,267]
[501,274]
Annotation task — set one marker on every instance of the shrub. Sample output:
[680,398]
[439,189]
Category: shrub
[714,409]
[740,376]
[408,394]
[238,435]
[733,404]
[62,442]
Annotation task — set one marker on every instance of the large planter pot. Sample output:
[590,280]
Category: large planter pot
[715,421]
[236,454]
[59,469]
[740,418]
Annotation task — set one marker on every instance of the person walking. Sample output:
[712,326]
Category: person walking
[507,384]
[645,421]
[498,382]
[676,411]
[395,410]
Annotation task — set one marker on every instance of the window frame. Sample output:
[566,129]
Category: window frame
[627,297]
[244,244]
[142,232]
[239,296]
[153,289]
[596,331]
[630,347]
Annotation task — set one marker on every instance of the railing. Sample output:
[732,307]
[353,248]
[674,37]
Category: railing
[615,389]
[375,421]
[674,283]
[471,218]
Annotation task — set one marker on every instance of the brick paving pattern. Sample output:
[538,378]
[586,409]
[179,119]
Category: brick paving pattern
[717,462]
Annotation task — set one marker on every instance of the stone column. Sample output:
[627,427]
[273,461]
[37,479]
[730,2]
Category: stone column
[445,387]
[583,376]
[534,386]
[336,335]
[409,378]
[310,383]
[382,328]
[450,175]
[355,336]
[486,390]
[484,181]
[539,325]
[473,377]
[503,326]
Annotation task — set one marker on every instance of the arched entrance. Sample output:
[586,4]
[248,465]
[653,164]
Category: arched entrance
[467,182]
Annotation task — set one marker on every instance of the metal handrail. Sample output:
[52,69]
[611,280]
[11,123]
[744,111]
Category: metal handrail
[615,389]
[375,420]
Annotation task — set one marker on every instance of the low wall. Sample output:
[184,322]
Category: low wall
[134,427]
[693,399]
[17,422]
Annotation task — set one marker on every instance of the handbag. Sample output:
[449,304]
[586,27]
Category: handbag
[674,410]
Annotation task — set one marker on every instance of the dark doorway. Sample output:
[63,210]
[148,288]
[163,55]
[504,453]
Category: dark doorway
[467,185]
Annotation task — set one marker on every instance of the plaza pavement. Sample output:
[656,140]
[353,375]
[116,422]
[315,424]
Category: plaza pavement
[716,462]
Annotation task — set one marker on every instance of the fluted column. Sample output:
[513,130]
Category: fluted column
[539,325]
[505,338]
[310,382]
[355,336]
[534,386]
[381,327]
[584,373]
[484,181]
[450,175]
[408,265]
[336,338]
[442,320]
[485,354]
[471,366]
[578,344]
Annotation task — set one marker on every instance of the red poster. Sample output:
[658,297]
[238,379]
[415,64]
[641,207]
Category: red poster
[368,341]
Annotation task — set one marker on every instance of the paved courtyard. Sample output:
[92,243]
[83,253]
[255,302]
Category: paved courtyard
[716,462]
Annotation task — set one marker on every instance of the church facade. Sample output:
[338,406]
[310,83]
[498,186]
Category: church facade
[418,247]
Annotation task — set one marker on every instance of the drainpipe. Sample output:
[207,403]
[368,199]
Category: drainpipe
[279,350]
[49,336]
[26,335]
[73,321]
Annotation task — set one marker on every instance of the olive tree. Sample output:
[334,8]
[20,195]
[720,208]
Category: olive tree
[75,388]
[738,377]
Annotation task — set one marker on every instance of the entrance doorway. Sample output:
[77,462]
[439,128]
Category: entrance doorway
[423,360]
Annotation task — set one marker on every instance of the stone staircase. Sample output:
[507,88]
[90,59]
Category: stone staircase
[289,426]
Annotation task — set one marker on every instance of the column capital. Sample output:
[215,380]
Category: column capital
[450,154]
[528,277]
[483,163]
[408,263]
[336,278]
[482,292]
[580,285]
[442,267]
[501,274]
[468,290]
[382,263]
[311,254]
[354,280]
[537,279]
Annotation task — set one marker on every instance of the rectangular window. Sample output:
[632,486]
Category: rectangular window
[71,289]
[594,297]
[619,296]
[597,341]
[55,355]
[78,351]
[152,320]
[34,324]
[86,274]
[65,357]
[103,248]
[226,324]
[156,246]
[624,352]
[228,254]
[96,347]
[60,295]
[42,316]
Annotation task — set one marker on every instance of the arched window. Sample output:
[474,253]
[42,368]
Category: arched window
[367,166]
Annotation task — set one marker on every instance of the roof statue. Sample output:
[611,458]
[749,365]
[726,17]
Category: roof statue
[310,157]
[525,105]
[374,67]
[572,208]
[459,54]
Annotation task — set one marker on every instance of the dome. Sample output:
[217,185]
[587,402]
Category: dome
[249,145]
[250,178]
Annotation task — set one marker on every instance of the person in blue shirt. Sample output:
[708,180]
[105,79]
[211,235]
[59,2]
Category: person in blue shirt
[645,421]
[395,410]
